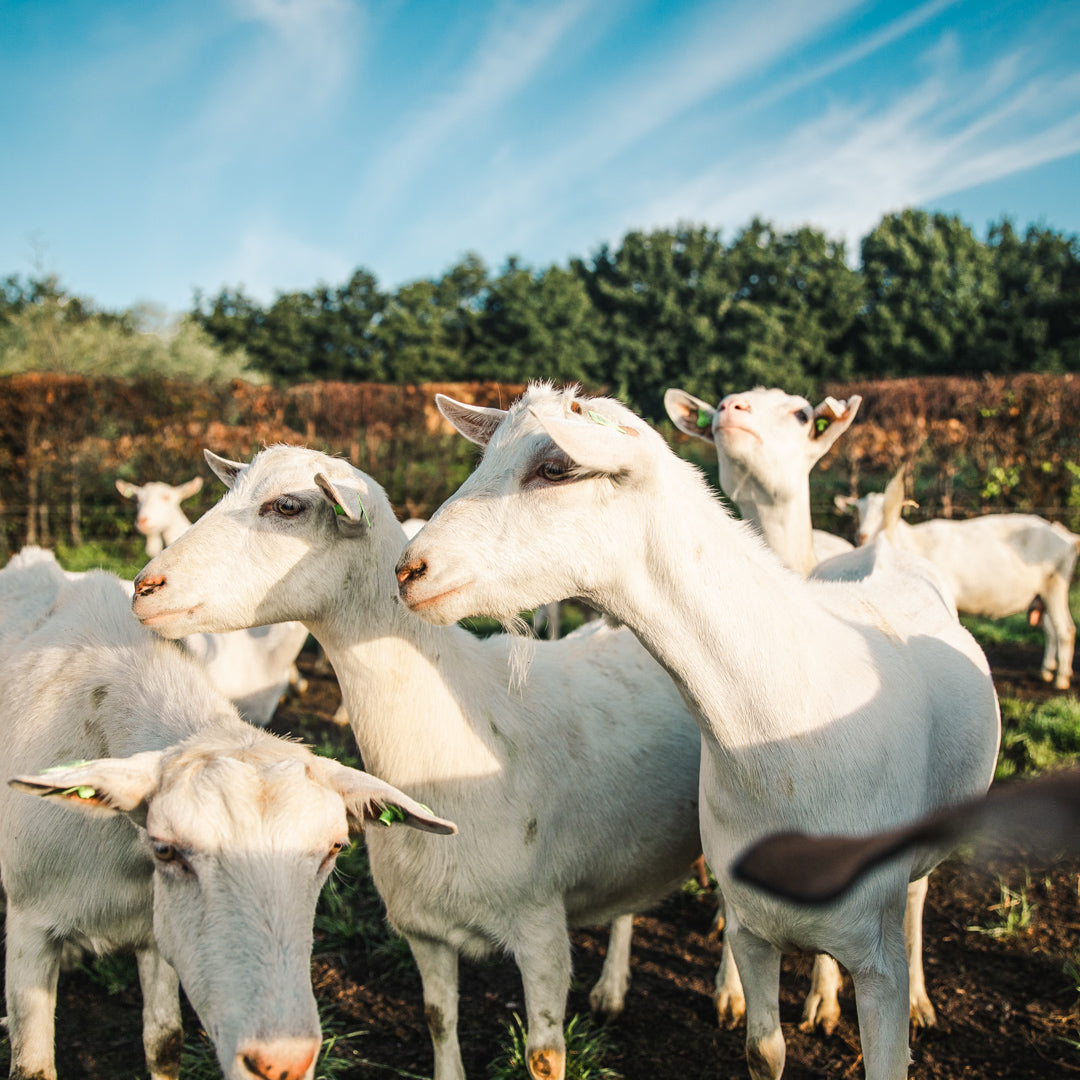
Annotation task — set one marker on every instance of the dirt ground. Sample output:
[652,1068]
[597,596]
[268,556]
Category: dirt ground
[1006,1008]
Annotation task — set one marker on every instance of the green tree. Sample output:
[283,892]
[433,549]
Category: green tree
[536,326]
[929,286]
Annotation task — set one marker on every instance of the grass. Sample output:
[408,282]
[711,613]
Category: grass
[118,557]
[1037,736]
[586,1044]
[1011,915]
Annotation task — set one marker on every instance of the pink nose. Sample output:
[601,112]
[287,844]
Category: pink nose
[279,1059]
[738,404]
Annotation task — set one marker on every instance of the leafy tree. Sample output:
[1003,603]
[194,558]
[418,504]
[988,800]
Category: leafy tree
[536,326]
[929,285]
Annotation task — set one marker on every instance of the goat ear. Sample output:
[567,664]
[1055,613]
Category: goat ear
[224,469]
[689,414]
[824,438]
[102,788]
[594,443]
[127,489]
[367,798]
[348,503]
[192,487]
[844,503]
[475,422]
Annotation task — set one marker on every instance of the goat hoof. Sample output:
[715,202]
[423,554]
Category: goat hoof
[922,1013]
[547,1064]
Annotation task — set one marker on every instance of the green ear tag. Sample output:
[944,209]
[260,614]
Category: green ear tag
[821,424]
[363,512]
[83,791]
[599,418]
[704,419]
[339,510]
[391,814]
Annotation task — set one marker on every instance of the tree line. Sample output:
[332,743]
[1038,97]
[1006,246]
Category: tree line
[679,307]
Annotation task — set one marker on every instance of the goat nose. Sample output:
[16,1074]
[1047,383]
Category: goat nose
[279,1059]
[411,571]
[145,586]
[737,403]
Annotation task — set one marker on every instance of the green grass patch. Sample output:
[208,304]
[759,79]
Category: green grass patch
[1036,736]
[1011,915]
[118,557]
[586,1044]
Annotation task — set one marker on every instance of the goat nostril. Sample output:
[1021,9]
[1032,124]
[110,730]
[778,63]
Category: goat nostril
[149,585]
[411,571]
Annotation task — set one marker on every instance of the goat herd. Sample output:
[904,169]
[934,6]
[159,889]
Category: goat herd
[754,684]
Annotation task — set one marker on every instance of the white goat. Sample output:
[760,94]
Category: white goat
[158,515]
[1034,818]
[994,565]
[575,793]
[824,706]
[767,441]
[194,838]
[252,667]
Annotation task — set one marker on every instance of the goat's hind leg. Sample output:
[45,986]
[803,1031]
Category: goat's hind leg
[608,996]
[31,971]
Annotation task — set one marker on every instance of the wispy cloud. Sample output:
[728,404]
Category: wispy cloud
[267,259]
[842,170]
[510,52]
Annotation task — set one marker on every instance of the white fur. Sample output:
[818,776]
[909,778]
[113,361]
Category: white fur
[994,566]
[182,832]
[824,706]
[252,667]
[575,791]
[767,442]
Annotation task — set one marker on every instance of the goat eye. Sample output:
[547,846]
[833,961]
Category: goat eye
[164,852]
[336,848]
[803,416]
[287,506]
[553,471]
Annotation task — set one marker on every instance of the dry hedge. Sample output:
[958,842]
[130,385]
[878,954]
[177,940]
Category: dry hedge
[974,445]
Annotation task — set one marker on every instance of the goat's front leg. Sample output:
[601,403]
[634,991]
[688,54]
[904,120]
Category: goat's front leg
[759,965]
[728,997]
[163,1033]
[608,996]
[31,970]
[438,965]
[542,952]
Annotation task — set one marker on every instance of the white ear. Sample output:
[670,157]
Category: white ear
[367,798]
[844,503]
[127,489]
[689,414]
[103,787]
[475,422]
[224,469]
[192,487]
[600,445]
[838,416]
[347,499]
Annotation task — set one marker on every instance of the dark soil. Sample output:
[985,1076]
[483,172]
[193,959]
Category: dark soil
[1006,1008]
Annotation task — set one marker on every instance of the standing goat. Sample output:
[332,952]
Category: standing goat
[994,566]
[178,830]
[252,667]
[575,790]
[824,706]
[767,441]
[158,515]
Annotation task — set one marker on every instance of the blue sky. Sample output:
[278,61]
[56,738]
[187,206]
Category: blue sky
[154,148]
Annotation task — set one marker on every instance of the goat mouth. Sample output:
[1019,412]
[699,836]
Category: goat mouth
[723,429]
[430,605]
[159,617]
